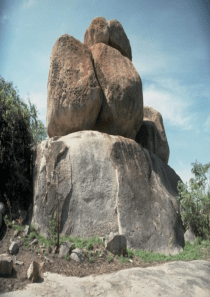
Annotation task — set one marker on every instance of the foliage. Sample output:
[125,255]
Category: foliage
[19,130]
[89,245]
[7,222]
[195,204]
[9,96]
[52,231]
[91,259]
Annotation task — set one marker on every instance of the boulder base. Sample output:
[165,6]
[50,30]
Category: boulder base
[107,184]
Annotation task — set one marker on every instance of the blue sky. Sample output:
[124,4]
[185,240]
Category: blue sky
[170,43]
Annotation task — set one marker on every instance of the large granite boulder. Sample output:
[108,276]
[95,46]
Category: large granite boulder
[152,134]
[74,95]
[122,104]
[107,184]
[110,33]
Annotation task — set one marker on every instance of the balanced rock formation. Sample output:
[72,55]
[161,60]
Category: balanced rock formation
[122,104]
[74,95]
[94,86]
[152,134]
[107,184]
[106,159]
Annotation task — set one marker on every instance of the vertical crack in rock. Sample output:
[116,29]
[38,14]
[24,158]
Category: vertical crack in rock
[116,209]
[64,214]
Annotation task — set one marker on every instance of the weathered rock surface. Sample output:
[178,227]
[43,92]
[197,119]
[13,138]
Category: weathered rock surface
[77,255]
[118,39]
[74,95]
[116,244]
[33,272]
[173,279]
[122,104]
[110,33]
[65,248]
[14,247]
[152,134]
[97,32]
[107,184]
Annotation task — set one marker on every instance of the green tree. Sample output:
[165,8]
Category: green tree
[195,203]
[19,131]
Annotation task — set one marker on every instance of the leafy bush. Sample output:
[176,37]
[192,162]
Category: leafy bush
[32,235]
[52,231]
[91,259]
[19,130]
[195,204]
[110,258]
[89,246]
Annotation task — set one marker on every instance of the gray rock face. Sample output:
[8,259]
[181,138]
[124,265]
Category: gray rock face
[107,184]
[152,134]
[74,95]
[122,104]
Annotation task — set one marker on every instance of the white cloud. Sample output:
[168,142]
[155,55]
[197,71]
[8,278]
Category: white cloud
[172,107]
[29,4]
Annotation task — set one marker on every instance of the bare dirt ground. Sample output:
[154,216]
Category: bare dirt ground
[18,279]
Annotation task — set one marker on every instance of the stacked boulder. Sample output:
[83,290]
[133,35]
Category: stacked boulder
[108,153]
[94,85]
[152,134]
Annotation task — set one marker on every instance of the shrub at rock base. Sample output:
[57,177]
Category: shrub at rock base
[195,205]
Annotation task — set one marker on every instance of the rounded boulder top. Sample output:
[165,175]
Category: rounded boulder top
[110,33]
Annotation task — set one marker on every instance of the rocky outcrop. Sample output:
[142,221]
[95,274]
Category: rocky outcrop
[122,105]
[74,95]
[152,134]
[107,184]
